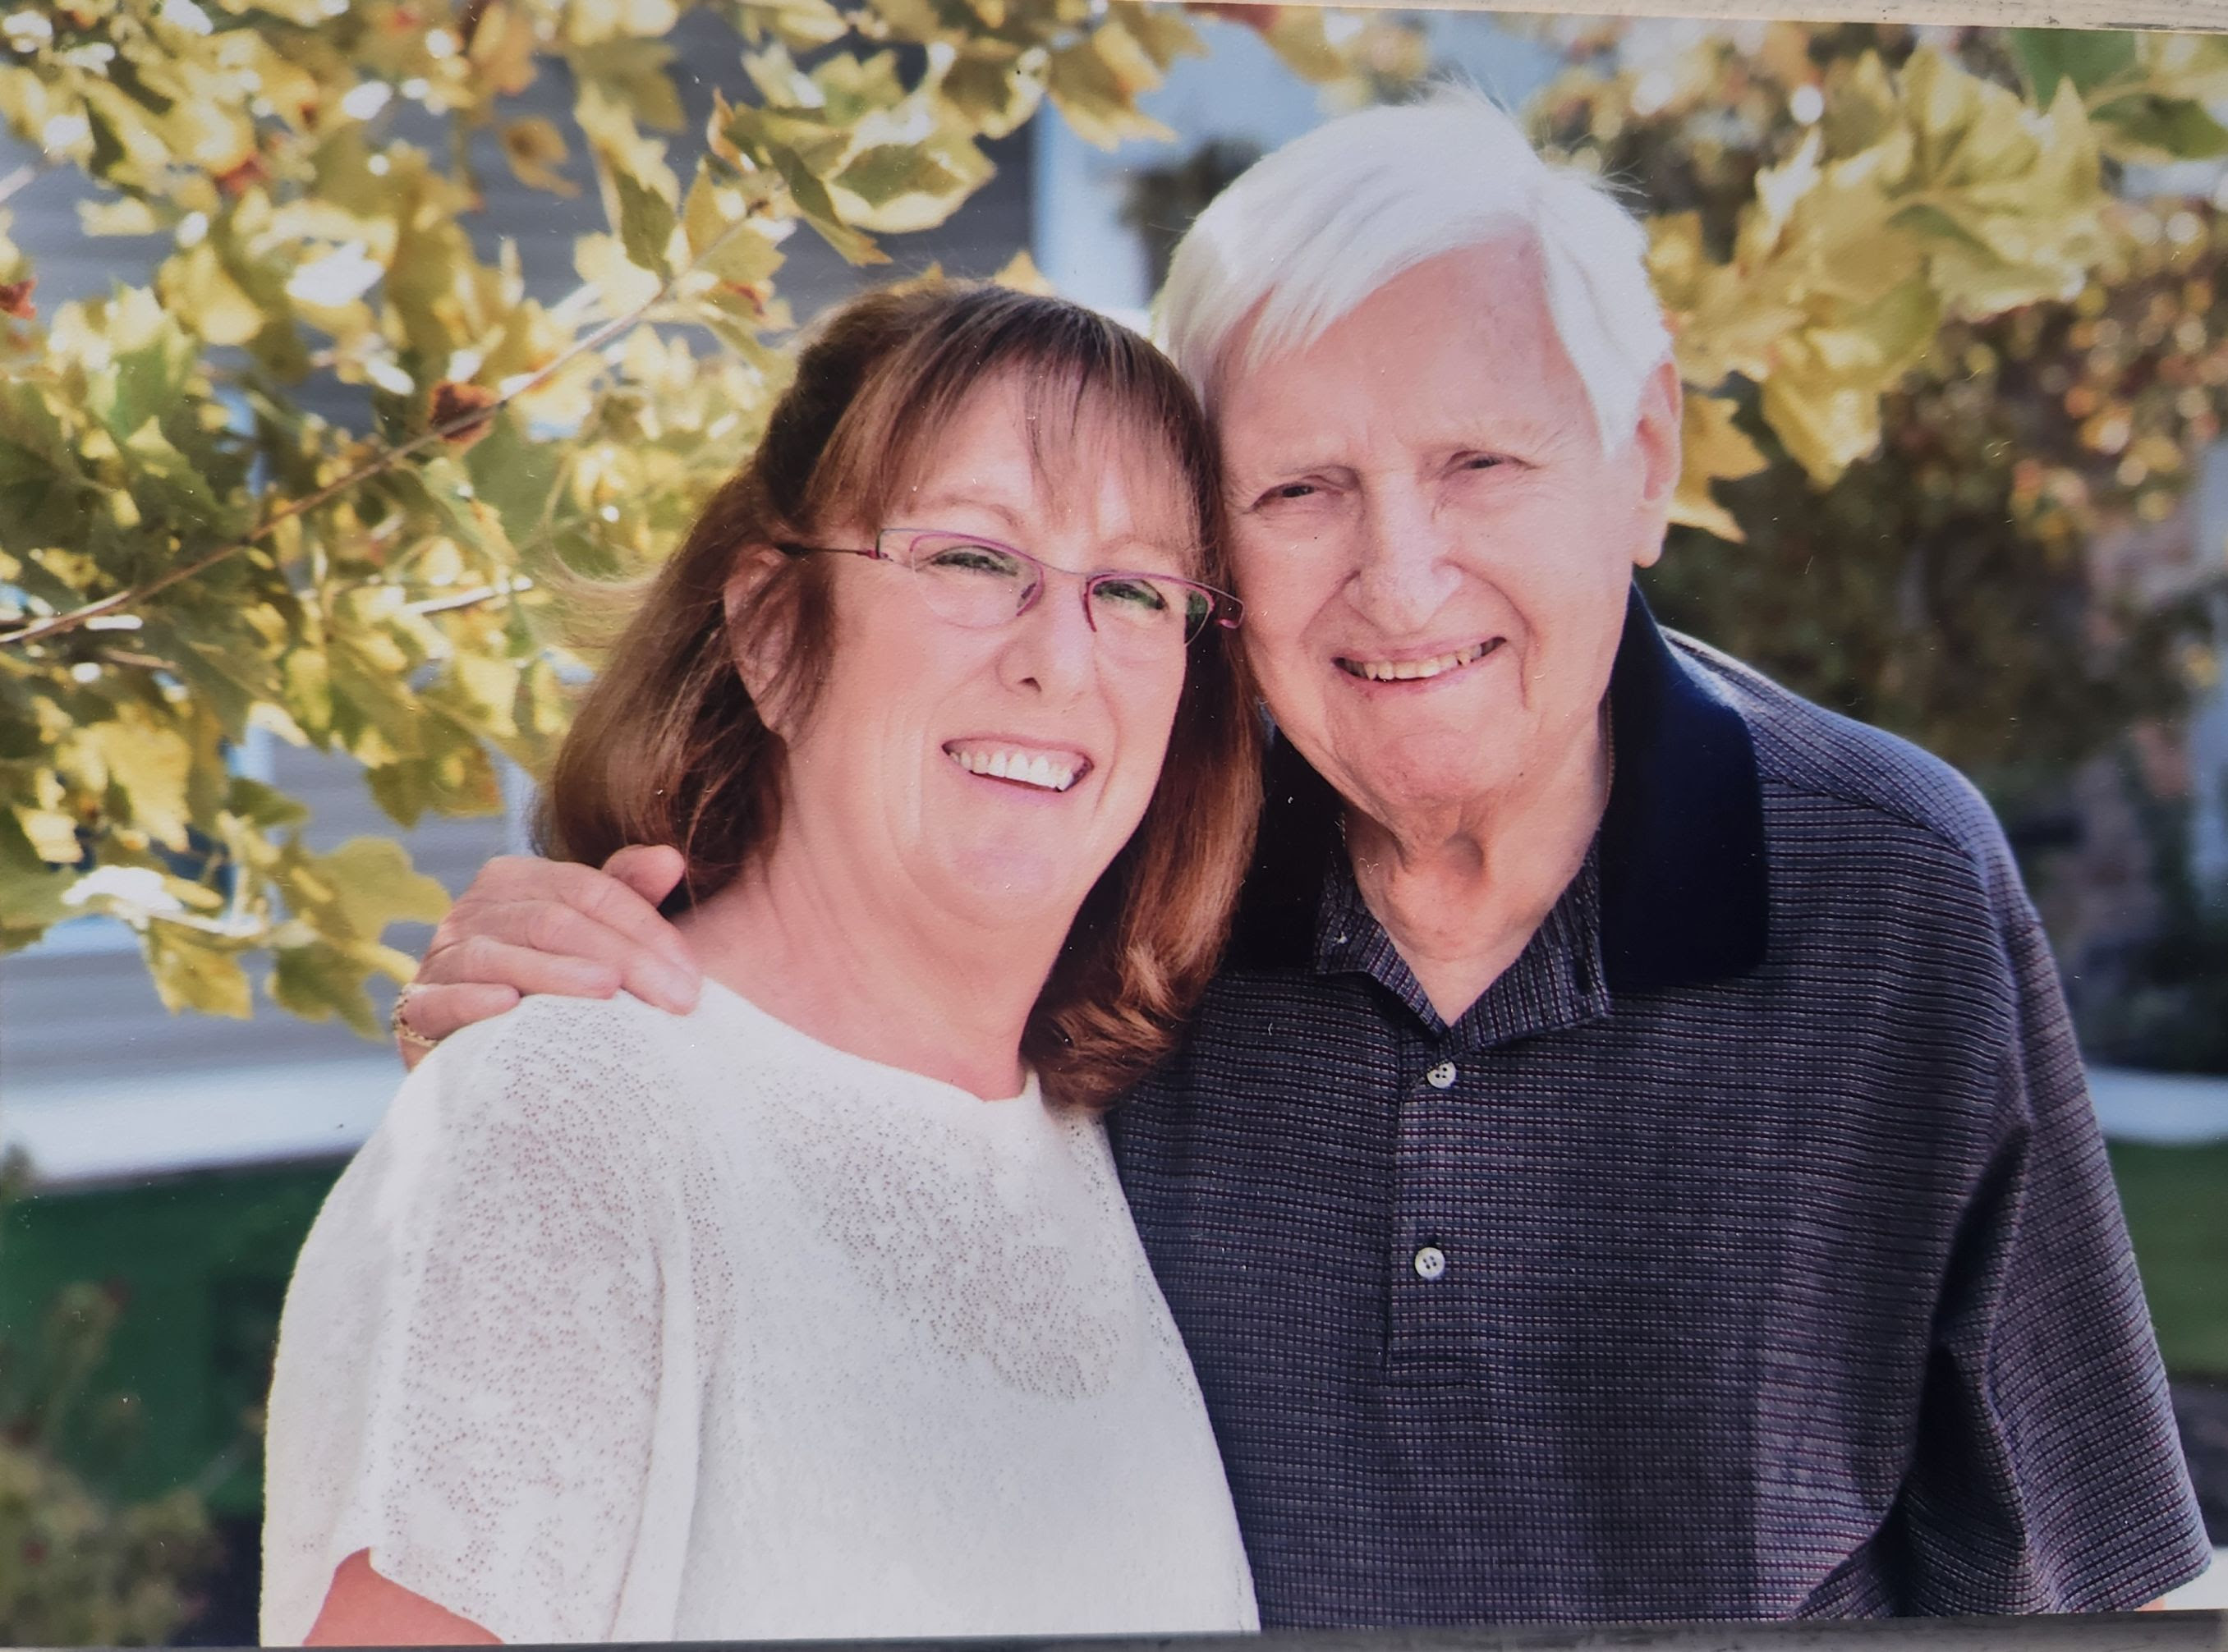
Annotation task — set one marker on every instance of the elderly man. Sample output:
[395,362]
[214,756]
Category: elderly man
[1634,1163]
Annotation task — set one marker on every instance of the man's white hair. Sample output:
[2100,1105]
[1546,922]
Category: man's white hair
[1309,232]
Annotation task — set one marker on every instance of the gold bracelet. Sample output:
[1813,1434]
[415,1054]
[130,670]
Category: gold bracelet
[402,1029]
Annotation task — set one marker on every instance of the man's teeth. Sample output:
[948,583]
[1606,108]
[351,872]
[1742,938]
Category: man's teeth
[1406,670]
[1052,773]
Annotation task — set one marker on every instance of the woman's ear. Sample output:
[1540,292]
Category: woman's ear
[754,638]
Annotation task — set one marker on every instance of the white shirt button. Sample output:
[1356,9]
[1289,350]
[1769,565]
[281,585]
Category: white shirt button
[1441,1076]
[1431,1262]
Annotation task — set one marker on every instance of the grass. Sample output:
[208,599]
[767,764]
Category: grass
[2176,1198]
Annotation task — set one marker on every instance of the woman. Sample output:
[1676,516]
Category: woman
[817,1311]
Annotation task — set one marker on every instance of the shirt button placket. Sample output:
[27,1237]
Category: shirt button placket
[1429,1262]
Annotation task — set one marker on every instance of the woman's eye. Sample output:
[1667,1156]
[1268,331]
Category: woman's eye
[975,559]
[1286,492]
[1131,594]
[1483,462]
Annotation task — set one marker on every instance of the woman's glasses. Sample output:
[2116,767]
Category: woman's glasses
[982,584]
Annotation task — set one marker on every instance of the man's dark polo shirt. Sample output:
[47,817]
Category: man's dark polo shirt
[1747,1250]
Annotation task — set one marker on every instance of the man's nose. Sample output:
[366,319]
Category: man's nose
[1406,568]
[1051,646]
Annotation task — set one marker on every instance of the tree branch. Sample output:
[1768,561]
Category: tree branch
[472,597]
[468,25]
[386,460]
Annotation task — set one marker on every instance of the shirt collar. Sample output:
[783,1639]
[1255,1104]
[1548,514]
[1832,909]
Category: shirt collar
[1556,981]
[1681,896]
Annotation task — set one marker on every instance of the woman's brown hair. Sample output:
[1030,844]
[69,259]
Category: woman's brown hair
[668,746]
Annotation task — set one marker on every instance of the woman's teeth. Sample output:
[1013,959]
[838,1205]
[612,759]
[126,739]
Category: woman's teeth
[1407,670]
[1052,773]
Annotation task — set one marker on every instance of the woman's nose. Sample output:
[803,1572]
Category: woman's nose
[1050,645]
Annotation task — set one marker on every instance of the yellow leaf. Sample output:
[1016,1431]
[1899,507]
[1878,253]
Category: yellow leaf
[503,49]
[1161,32]
[53,833]
[193,971]
[1860,106]
[1713,448]
[1826,423]
[123,217]
[1877,344]
[1295,34]
[801,24]
[708,209]
[535,149]
[1094,84]
[196,285]
[1020,272]
[623,285]
[148,767]
[605,22]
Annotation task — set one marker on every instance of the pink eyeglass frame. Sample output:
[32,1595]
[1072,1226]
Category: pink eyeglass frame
[1223,609]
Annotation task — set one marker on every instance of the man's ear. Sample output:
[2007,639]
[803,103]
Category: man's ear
[1656,445]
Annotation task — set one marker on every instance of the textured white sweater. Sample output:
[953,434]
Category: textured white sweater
[630,1326]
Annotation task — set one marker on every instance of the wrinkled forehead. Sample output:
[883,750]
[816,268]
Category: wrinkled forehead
[1465,339]
[1501,277]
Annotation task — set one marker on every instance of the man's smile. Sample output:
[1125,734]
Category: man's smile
[1418,669]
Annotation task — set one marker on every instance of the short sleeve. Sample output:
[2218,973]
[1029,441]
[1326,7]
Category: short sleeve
[479,1368]
[2047,1475]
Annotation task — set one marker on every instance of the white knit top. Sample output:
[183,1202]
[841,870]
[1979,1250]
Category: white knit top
[630,1326]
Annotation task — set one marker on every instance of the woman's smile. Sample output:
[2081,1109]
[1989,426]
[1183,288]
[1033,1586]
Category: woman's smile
[1040,768]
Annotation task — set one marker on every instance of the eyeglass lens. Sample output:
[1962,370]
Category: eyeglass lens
[972,583]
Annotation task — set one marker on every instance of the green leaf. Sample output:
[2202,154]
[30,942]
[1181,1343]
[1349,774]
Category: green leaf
[987,91]
[318,981]
[264,807]
[2160,130]
[633,73]
[457,780]
[153,359]
[819,210]
[514,478]
[646,221]
[352,895]
[31,887]
[881,174]
[2088,57]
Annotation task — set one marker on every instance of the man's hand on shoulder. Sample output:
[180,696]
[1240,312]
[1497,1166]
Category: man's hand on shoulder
[533,926]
